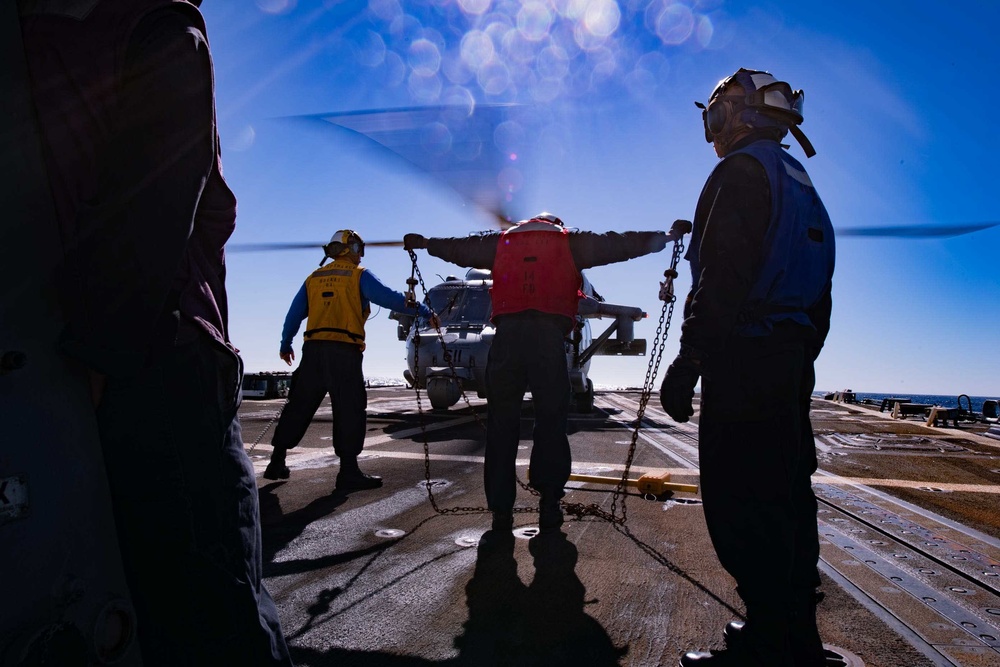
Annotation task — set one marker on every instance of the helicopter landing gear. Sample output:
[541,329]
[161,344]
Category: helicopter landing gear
[584,401]
[443,392]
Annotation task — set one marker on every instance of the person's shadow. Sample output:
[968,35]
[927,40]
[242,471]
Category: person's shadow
[540,624]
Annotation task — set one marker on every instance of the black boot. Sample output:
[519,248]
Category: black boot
[550,515]
[276,468]
[350,477]
[732,633]
[499,536]
[763,639]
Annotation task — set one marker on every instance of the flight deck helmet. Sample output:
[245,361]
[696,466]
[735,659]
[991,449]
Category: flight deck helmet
[545,216]
[344,241]
[764,103]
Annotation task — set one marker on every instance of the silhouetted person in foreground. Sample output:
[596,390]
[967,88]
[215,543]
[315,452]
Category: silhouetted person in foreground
[124,95]
[762,256]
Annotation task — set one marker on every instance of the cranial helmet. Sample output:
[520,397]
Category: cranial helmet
[548,217]
[345,241]
[765,103]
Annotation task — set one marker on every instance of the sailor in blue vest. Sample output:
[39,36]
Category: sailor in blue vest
[336,299]
[762,257]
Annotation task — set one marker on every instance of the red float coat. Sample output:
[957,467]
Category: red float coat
[534,270]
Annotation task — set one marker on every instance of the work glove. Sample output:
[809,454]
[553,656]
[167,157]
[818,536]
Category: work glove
[677,390]
[414,241]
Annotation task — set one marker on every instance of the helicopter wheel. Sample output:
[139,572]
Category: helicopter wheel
[584,401]
[442,392]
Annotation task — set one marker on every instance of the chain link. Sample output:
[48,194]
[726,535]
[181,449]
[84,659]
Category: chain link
[266,428]
[663,326]
[446,353]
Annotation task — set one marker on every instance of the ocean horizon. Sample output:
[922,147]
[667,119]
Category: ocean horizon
[943,400]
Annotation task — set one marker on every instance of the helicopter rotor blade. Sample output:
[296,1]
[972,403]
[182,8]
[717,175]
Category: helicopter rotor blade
[917,231]
[272,247]
[478,151]
[501,218]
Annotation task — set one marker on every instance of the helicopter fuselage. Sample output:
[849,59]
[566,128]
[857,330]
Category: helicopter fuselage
[451,358]
[465,334]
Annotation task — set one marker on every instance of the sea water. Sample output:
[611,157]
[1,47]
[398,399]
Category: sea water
[945,401]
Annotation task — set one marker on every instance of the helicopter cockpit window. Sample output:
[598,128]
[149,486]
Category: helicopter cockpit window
[477,306]
[455,305]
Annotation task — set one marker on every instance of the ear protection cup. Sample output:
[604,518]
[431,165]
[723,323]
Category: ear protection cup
[345,240]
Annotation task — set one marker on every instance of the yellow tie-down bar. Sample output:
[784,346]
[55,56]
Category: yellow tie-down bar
[650,483]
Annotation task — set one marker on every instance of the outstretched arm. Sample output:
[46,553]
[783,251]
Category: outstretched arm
[592,249]
[474,251]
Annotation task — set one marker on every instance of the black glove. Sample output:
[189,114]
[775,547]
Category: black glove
[414,241]
[677,390]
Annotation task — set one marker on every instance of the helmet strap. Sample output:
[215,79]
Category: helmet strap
[803,141]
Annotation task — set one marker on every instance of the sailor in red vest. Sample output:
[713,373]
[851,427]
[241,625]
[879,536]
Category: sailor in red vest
[536,267]
[336,299]
[123,92]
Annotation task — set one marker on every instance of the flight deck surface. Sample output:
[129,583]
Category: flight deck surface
[909,532]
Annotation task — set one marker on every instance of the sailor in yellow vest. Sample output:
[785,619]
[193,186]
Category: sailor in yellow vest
[336,299]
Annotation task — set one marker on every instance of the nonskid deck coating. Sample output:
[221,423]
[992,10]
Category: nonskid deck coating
[377,578]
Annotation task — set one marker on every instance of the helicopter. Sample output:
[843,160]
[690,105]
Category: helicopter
[463,307]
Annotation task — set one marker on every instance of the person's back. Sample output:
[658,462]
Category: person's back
[335,302]
[536,268]
[336,312]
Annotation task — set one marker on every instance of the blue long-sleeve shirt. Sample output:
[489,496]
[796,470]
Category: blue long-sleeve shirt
[373,290]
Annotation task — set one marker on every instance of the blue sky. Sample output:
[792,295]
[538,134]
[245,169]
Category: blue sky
[898,105]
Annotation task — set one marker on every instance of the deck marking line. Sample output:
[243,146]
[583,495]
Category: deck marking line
[647,429]
[906,483]
[296,457]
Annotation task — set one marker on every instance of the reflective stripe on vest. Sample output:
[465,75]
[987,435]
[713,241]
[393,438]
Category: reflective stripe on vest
[335,308]
[534,270]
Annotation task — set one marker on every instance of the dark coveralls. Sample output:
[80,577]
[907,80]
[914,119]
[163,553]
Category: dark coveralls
[755,438]
[529,351]
[125,99]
